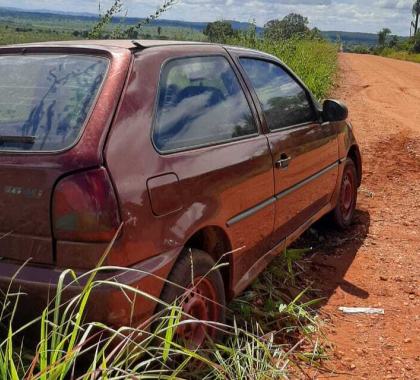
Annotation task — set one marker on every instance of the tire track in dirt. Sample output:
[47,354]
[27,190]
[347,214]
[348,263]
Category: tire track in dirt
[377,262]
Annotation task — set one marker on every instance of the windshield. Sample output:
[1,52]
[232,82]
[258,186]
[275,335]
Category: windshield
[46,99]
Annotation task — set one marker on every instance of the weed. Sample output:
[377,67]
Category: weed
[401,55]
[264,339]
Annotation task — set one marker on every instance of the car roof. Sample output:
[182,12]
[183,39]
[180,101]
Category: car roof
[132,45]
[125,44]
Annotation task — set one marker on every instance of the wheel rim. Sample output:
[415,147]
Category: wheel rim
[201,304]
[347,195]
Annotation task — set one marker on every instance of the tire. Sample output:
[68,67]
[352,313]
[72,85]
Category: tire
[204,301]
[343,214]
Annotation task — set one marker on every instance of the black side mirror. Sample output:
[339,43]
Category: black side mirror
[333,110]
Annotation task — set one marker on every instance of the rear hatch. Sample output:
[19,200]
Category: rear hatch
[56,106]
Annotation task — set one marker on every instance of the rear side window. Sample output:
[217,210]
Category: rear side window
[46,99]
[200,102]
[284,101]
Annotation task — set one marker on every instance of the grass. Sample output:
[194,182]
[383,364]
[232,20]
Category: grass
[9,36]
[314,61]
[401,55]
[303,57]
[271,334]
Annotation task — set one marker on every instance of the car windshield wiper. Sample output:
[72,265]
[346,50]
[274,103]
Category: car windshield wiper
[18,139]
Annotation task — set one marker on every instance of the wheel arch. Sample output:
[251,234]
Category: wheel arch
[356,157]
[215,241]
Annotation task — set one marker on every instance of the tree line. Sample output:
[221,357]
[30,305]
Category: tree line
[292,26]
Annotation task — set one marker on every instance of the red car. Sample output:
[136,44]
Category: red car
[196,149]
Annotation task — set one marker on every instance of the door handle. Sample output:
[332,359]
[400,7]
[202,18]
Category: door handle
[284,162]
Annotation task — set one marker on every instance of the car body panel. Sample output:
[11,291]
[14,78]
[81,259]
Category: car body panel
[306,185]
[165,200]
[107,303]
[26,234]
[314,152]
[217,182]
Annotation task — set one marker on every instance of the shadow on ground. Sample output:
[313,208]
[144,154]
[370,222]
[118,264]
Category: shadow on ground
[333,254]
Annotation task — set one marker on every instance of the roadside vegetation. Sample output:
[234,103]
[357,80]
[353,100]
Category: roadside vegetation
[273,334]
[401,55]
[303,49]
[289,38]
[309,56]
[273,331]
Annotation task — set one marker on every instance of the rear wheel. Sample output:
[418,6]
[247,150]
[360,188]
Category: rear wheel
[201,293]
[343,213]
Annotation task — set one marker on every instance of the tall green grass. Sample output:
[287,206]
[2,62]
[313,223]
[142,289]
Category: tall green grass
[400,55]
[262,342]
[314,61]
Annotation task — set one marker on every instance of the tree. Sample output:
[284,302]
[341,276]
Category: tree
[219,31]
[159,30]
[133,35]
[416,14]
[292,25]
[273,30]
[382,35]
[315,34]
[393,42]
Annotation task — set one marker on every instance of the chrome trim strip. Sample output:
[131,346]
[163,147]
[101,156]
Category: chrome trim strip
[306,181]
[277,197]
[250,212]
[342,161]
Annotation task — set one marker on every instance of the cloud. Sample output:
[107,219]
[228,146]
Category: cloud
[395,4]
[347,15]
[300,2]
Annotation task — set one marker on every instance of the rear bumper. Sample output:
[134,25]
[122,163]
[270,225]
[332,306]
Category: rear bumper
[107,303]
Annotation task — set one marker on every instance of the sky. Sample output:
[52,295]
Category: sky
[345,15]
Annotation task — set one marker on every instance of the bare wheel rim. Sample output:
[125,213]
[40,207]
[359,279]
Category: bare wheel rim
[201,304]
[347,195]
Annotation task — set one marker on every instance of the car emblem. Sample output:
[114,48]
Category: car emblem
[28,193]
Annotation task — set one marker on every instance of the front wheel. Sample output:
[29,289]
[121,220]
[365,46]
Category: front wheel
[343,213]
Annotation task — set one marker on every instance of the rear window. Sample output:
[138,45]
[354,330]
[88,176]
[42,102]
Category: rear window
[45,100]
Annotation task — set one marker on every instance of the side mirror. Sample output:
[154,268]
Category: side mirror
[333,110]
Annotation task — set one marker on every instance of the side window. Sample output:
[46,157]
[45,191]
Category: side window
[284,101]
[200,102]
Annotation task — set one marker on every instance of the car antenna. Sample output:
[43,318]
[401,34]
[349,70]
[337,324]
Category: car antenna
[138,44]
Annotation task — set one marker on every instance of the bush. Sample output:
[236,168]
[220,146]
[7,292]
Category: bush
[386,52]
[219,31]
[314,61]
[360,49]
[415,44]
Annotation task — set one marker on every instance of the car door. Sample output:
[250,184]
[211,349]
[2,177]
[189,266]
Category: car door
[305,152]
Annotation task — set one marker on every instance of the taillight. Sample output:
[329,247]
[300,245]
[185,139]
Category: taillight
[85,208]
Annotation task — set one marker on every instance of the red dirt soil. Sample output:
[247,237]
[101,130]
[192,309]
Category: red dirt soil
[376,263]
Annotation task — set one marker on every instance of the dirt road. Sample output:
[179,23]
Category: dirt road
[377,262]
